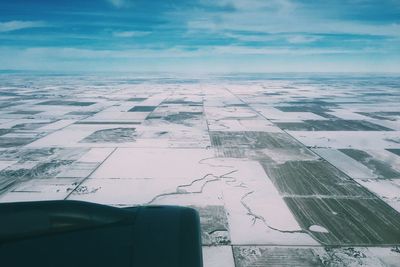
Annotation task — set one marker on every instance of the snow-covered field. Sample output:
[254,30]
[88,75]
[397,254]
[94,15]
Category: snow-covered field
[298,171]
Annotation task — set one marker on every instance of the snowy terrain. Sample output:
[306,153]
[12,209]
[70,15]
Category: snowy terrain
[284,171]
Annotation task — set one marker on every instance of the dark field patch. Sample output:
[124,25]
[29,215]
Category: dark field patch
[6,183]
[182,117]
[42,154]
[389,113]
[33,154]
[320,110]
[309,178]
[84,113]
[26,112]
[137,99]
[331,125]
[259,146]
[381,169]
[274,94]
[142,109]
[303,108]
[253,140]
[183,102]
[251,256]
[268,156]
[7,142]
[4,131]
[214,225]
[107,122]
[377,115]
[65,103]
[349,221]
[29,126]
[312,103]
[7,104]
[49,169]
[7,93]
[232,152]
[154,117]
[237,105]
[45,169]
[380,94]
[394,151]
[325,115]
[116,135]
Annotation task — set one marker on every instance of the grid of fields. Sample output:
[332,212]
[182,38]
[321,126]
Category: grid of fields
[298,171]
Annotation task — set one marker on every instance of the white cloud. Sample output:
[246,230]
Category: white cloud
[15,25]
[208,59]
[281,6]
[283,17]
[127,34]
[272,24]
[120,3]
[292,39]
[253,37]
[244,50]
[302,39]
[61,54]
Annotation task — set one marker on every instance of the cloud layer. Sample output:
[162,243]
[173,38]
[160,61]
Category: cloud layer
[121,33]
[16,25]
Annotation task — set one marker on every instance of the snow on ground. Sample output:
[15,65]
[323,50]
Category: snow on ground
[346,164]
[280,170]
[348,139]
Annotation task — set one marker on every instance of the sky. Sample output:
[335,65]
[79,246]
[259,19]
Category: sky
[200,35]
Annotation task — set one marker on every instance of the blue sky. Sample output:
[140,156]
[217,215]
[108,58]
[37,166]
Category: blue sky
[200,35]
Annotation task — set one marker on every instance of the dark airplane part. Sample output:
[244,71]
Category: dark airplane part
[74,233]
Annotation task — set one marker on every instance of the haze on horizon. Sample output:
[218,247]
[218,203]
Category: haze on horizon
[201,35]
